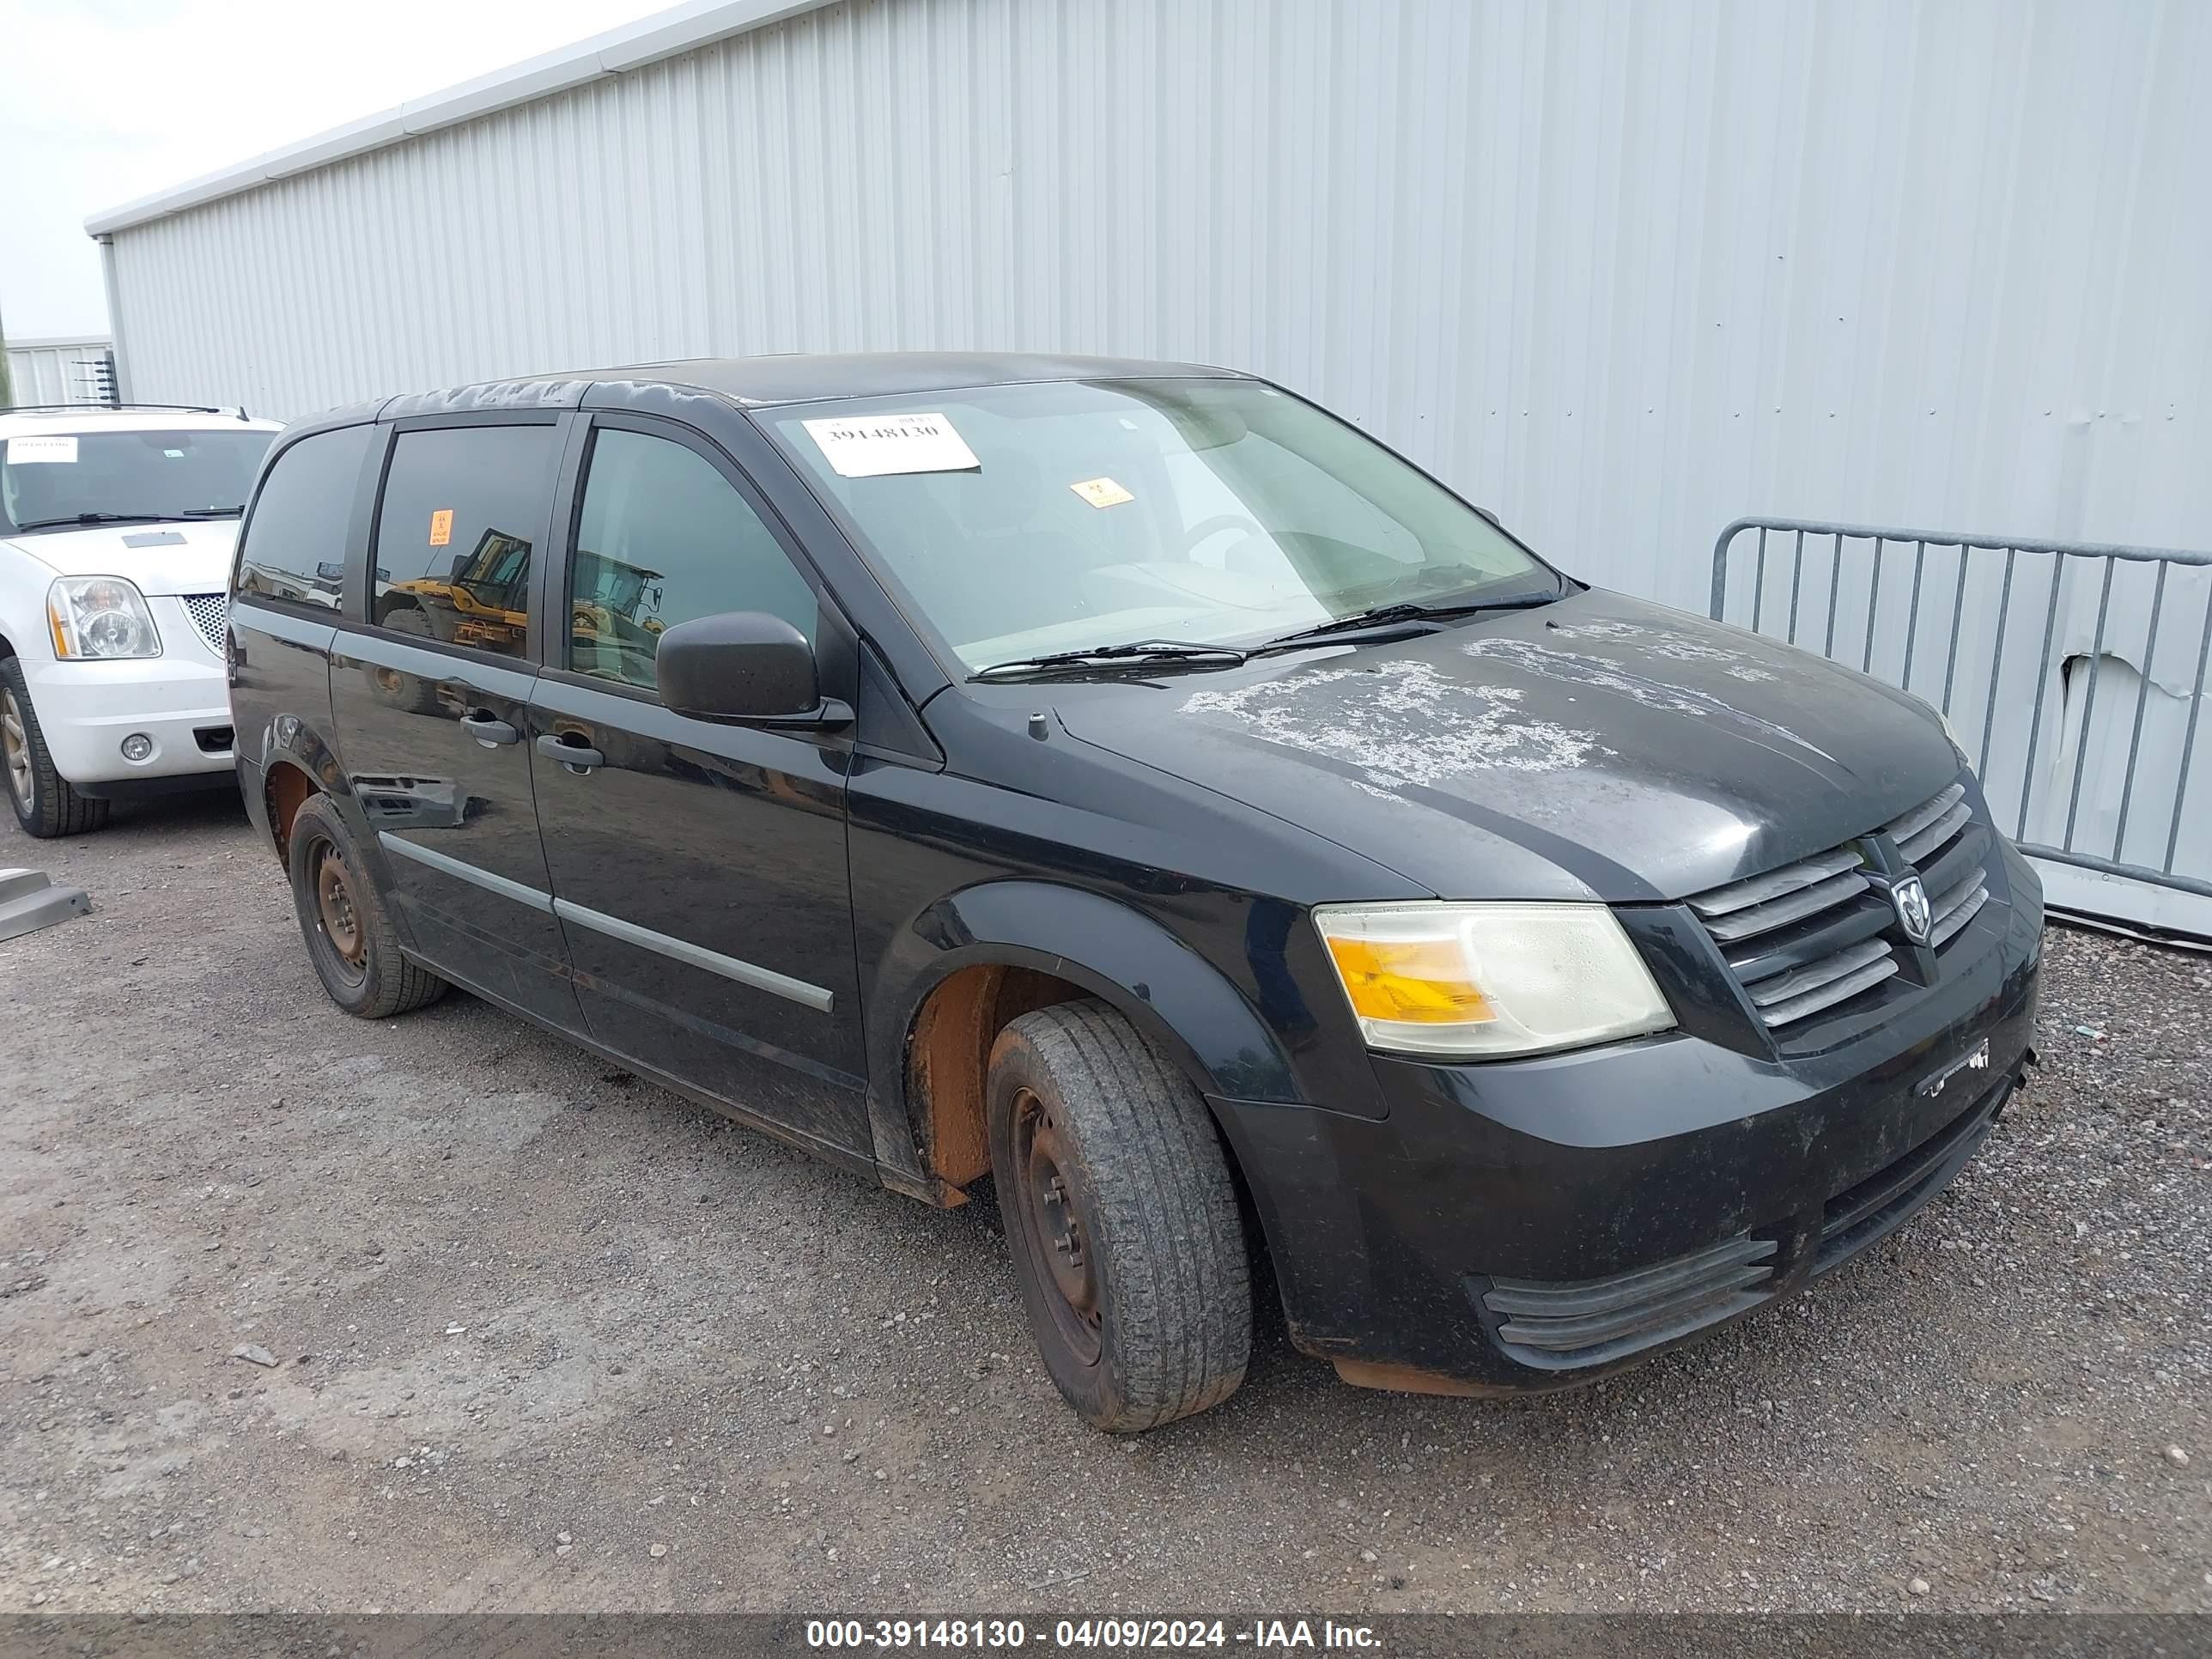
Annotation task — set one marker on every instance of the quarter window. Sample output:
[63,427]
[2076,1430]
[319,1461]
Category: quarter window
[662,538]
[461,505]
[295,548]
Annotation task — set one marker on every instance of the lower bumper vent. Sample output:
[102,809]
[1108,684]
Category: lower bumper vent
[1588,1322]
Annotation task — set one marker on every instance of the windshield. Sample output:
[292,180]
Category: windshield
[133,475]
[1023,520]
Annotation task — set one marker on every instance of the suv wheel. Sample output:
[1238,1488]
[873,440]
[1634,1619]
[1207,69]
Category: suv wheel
[349,930]
[45,804]
[1121,1218]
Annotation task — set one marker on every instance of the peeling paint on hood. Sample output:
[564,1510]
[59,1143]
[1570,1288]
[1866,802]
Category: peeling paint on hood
[1600,747]
[1401,723]
[1651,690]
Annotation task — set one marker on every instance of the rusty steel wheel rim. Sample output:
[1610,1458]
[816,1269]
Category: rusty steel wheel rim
[16,746]
[337,916]
[1055,1231]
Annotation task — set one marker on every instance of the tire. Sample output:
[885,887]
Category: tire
[1148,1318]
[343,917]
[45,806]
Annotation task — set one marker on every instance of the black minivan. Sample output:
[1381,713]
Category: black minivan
[1128,784]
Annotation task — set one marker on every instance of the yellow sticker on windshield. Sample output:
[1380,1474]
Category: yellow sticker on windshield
[1101,492]
[441,526]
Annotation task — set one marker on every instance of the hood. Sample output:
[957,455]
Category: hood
[191,556]
[1602,747]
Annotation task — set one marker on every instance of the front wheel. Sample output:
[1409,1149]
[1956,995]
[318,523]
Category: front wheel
[348,932]
[1121,1218]
[45,806]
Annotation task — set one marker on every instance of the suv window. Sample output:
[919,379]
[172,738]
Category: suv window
[294,547]
[452,540]
[662,538]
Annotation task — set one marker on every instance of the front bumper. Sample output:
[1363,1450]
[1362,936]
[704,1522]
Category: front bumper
[1517,1226]
[86,709]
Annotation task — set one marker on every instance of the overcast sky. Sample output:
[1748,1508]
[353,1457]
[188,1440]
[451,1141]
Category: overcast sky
[109,99]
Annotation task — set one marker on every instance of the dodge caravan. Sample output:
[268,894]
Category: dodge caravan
[1128,787]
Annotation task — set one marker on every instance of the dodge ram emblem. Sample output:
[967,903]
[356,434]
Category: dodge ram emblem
[1911,899]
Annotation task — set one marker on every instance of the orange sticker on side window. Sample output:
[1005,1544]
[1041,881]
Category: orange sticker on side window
[441,526]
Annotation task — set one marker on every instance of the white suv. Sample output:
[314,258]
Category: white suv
[116,528]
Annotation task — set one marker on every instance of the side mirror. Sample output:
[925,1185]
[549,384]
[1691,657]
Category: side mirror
[744,667]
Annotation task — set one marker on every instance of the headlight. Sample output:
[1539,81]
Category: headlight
[100,616]
[1484,980]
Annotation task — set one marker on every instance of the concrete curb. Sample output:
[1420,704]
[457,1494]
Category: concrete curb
[30,901]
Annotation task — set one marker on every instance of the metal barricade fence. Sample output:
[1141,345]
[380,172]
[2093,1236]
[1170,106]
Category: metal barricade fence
[2084,733]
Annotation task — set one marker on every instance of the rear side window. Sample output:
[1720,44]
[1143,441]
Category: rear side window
[295,548]
[662,538]
[461,505]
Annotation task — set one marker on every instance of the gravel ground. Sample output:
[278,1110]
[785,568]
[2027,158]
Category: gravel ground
[547,1337]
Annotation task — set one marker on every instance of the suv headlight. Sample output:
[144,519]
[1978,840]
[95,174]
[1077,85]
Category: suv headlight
[100,616]
[1478,981]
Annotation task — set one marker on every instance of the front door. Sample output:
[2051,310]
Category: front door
[698,870]
[431,700]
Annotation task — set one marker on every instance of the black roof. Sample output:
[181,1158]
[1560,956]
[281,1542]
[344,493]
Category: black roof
[757,382]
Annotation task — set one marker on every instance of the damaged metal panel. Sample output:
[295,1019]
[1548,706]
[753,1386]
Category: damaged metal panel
[2075,675]
[1620,269]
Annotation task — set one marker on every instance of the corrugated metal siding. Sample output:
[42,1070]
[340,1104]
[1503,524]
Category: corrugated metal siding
[54,371]
[1623,270]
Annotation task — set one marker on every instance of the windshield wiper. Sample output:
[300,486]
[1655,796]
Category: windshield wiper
[211,512]
[1139,654]
[92,518]
[1389,615]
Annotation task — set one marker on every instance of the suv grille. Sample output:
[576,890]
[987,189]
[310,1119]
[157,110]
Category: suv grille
[1814,935]
[210,614]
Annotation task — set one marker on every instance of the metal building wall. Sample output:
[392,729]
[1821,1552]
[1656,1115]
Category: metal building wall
[54,371]
[1622,269]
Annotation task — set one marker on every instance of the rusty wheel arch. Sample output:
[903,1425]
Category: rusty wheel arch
[285,792]
[948,1057]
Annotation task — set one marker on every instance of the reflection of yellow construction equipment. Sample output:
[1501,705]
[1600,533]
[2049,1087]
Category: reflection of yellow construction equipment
[607,637]
[483,603]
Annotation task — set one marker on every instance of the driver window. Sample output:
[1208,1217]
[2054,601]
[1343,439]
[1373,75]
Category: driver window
[662,538]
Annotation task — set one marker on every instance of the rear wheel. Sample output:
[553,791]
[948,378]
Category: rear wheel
[347,930]
[1121,1218]
[45,806]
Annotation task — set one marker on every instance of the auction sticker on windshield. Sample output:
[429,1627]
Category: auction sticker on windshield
[872,445]
[1101,492]
[29,451]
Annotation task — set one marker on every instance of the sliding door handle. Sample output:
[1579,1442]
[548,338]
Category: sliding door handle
[489,729]
[570,748]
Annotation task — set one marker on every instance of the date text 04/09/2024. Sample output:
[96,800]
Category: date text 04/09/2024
[985,1635]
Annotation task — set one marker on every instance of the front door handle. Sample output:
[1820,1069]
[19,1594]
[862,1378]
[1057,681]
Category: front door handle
[571,751]
[489,729]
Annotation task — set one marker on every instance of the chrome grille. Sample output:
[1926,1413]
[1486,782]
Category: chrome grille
[1814,935]
[1802,937]
[1943,842]
[210,614]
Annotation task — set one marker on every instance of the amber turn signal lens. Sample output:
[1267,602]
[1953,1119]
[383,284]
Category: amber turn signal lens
[1419,982]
